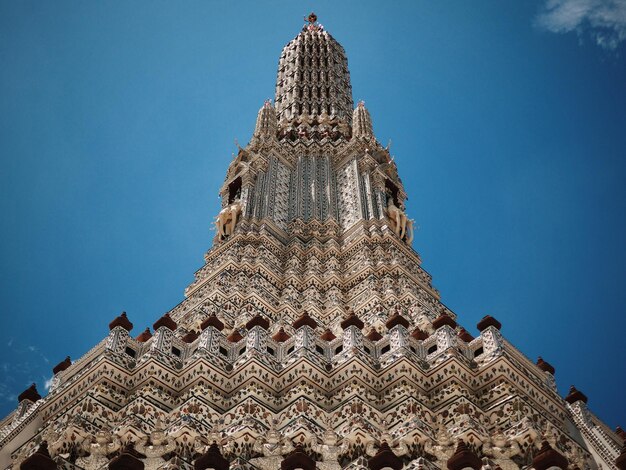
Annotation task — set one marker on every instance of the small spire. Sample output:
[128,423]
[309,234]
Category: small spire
[361,122]
[213,458]
[40,460]
[61,366]
[443,319]
[122,321]
[212,321]
[352,320]
[144,336]
[373,335]
[165,321]
[266,121]
[29,394]
[463,458]
[575,395]
[327,335]
[488,321]
[547,458]
[281,336]
[384,458]
[545,366]
[304,320]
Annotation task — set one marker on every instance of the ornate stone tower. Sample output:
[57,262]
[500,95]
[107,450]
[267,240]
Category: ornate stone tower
[311,337]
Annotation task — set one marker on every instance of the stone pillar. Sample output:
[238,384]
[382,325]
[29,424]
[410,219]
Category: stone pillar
[493,342]
[117,340]
[352,338]
[398,338]
[256,340]
[304,338]
[209,340]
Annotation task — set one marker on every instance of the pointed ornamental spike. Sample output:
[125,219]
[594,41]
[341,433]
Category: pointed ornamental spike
[545,366]
[144,336]
[258,320]
[327,335]
[419,334]
[488,321]
[547,458]
[464,458]
[298,459]
[29,394]
[212,321]
[384,458]
[190,337]
[374,335]
[129,459]
[266,121]
[122,321]
[281,336]
[212,458]
[443,319]
[235,336]
[361,122]
[397,319]
[61,366]
[464,335]
[165,321]
[40,460]
[352,320]
[304,320]
[575,395]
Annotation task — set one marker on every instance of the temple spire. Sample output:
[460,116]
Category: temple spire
[313,77]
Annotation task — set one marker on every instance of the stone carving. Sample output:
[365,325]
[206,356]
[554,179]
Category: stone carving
[155,447]
[442,447]
[98,447]
[227,219]
[273,446]
[397,446]
[400,223]
[331,448]
[502,449]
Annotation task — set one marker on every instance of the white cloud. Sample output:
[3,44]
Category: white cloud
[603,20]
[48,383]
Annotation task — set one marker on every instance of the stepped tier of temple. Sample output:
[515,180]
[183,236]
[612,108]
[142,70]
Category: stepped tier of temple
[311,337]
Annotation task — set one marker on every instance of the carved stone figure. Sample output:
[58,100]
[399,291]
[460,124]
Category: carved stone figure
[331,450]
[273,446]
[501,450]
[398,447]
[400,223]
[442,447]
[98,447]
[227,219]
[159,445]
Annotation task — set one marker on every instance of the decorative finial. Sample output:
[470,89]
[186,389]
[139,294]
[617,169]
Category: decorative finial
[312,25]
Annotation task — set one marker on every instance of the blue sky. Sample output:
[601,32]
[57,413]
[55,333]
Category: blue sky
[508,125]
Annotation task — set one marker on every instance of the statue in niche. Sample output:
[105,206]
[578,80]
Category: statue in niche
[98,448]
[227,219]
[400,223]
[330,449]
[158,447]
[398,447]
[442,447]
[273,446]
[502,450]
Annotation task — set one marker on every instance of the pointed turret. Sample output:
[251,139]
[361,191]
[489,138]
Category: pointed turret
[313,78]
[266,122]
[361,122]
